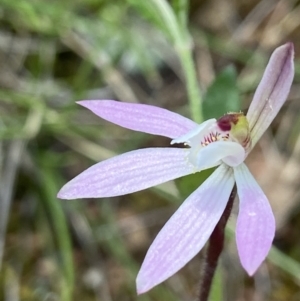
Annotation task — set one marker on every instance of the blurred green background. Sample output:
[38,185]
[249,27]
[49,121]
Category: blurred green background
[169,54]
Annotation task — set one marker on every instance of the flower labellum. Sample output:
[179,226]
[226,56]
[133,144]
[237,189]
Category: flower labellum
[238,125]
[224,142]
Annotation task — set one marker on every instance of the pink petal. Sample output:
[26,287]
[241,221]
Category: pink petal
[129,172]
[255,228]
[272,91]
[140,117]
[184,235]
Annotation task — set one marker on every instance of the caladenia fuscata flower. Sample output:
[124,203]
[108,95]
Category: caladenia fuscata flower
[225,142]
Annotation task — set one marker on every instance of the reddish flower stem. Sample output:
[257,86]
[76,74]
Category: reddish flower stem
[214,249]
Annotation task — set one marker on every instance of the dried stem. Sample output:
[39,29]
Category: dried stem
[215,247]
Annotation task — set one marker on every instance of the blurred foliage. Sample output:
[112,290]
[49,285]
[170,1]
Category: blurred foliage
[190,183]
[222,95]
[54,53]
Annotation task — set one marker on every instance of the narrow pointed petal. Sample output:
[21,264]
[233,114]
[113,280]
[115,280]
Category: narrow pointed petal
[196,133]
[187,231]
[141,117]
[255,227]
[272,91]
[129,172]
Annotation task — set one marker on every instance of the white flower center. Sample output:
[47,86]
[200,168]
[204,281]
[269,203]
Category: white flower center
[210,146]
[213,137]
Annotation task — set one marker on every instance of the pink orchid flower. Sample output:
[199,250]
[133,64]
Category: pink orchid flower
[225,142]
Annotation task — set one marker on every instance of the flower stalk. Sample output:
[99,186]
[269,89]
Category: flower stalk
[176,26]
[214,250]
[194,94]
